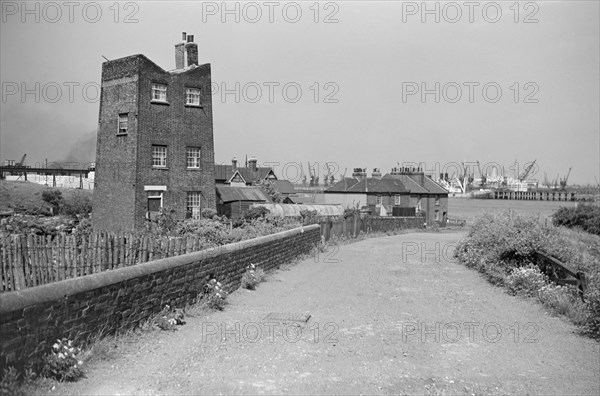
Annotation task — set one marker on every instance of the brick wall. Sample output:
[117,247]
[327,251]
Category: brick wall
[32,319]
[383,224]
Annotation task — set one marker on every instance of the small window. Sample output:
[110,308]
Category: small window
[396,199]
[192,157]
[437,201]
[192,96]
[379,200]
[159,156]
[159,92]
[155,199]
[123,120]
[193,204]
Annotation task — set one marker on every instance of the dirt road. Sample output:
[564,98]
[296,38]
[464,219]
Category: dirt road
[392,315]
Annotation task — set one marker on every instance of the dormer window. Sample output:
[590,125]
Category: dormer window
[192,96]
[159,92]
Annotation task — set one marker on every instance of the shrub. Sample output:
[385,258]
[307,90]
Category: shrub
[255,213]
[252,277]
[208,213]
[215,295]
[54,198]
[77,204]
[563,300]
[584,216]
[526,281]
[63,363]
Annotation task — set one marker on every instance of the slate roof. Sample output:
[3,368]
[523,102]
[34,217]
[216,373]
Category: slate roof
[246,193]
[369,185]
[224,173]
[283,186]
[388,184]
[411,184]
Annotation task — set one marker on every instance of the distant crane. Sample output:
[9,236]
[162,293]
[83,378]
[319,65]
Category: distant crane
[563,182]
[22,162]
[483,177]
[527,171]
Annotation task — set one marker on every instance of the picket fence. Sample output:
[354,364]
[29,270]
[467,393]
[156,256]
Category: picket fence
[32,260]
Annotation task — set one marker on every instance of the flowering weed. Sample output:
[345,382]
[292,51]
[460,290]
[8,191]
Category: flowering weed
[252,277]
[215,295]
[63,363]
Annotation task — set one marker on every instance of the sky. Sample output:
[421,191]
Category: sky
[344,83]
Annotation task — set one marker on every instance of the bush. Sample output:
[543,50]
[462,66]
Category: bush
[563,300]
[584,216]
[208,213]
[503,246]
[526,281]
[77,204]
[54,198]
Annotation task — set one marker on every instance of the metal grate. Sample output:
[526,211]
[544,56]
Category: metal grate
[287,317]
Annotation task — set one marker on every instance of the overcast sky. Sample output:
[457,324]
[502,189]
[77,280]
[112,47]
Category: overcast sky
[508,90]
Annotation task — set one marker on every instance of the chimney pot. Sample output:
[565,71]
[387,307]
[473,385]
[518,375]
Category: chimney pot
[183,36]
[190,38]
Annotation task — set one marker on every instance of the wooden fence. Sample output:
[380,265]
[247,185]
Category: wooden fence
[561,273]
[32,260]
[352,226]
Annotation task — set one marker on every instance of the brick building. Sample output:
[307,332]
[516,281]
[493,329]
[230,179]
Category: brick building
[404,191]
[155,140]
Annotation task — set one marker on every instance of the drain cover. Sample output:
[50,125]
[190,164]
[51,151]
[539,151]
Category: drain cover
[287,317]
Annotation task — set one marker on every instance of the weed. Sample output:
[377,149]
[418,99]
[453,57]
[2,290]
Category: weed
[252,277]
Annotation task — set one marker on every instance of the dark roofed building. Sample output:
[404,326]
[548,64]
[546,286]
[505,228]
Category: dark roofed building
[233,201]
[401,192]
[243,176]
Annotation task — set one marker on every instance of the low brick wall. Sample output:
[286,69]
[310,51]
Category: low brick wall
[32,319]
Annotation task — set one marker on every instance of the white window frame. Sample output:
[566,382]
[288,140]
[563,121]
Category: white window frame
[192,96]
[437,201]
[158,160]
[159,92]
[379,200]
[194,203]
[397,199]
[123,123]
[155,194]
[192,161]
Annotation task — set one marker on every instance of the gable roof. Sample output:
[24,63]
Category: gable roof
[246,193]
[342,185]
[223,173]
[434,187]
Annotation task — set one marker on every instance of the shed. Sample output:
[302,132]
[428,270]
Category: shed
[233,201]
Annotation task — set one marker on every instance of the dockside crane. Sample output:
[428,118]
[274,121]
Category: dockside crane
[563,182]
[527,171]
[483,177]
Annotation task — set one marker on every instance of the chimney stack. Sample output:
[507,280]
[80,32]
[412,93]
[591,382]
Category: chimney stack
[186,52]
[376,173]
[234,163]
[359,173]
[252,164]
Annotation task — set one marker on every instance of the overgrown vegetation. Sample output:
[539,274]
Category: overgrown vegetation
[252,277]
[584,216]
[502,247]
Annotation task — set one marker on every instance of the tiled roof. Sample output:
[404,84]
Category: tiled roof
[246,193]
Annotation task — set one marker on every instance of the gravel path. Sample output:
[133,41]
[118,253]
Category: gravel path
[391,315]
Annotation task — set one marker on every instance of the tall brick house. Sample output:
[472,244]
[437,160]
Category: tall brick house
[155,140]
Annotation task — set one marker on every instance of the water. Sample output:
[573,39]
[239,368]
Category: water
[468,209]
